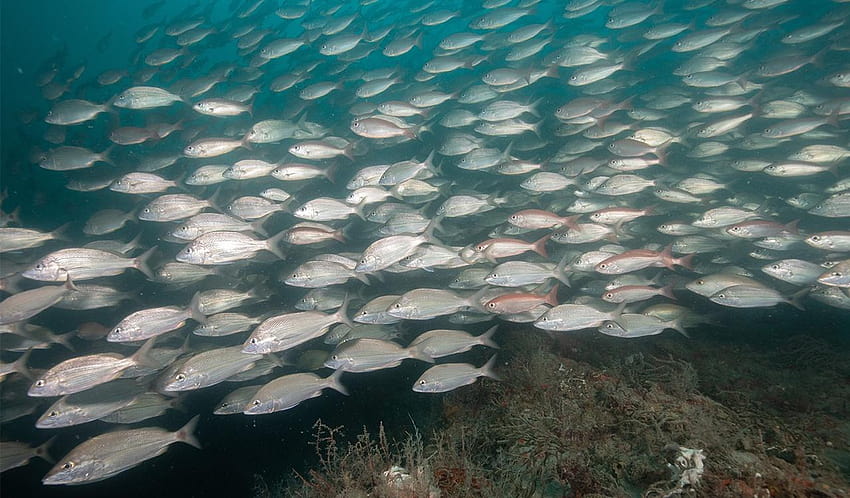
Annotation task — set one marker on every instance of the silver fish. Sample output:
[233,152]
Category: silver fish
[109,454]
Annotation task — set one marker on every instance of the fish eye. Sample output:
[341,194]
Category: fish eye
[700,282]
[117,330]
[253,340]
[422,382]
[493,275]
[397,305]
[335,357]
[721,295]
[68,465]
[491,305]
[602,266]
[146,210]
[39,383]
[39,266]
[775,267]
[609,295]
[54,413]
[815,238]
[180,377]
[256,402]
[573,78]
[768,130]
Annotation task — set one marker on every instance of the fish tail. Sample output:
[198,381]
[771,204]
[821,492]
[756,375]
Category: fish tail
[186,434]
[195,309]
[540,245]
[65,340]
[487,337]
[416,354]
[560,271]
[141,263]
[796,299]
[142,356]
[551,297]
[342,313]
[685,262]
[677,326]
[43,450]
[20,365]
[61,233]
[667,291]
[272,244]
[487,370]
[69,283]
[333,382]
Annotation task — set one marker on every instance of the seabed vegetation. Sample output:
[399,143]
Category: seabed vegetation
[591,416]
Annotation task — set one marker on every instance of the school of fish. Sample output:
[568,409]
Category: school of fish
[312,190]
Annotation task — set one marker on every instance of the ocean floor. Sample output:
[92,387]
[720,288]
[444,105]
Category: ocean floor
[758,409]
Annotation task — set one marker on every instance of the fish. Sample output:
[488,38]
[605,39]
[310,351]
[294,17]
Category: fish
[288,391]
[93,404]
[219,248]
[14,454]
[208,368]
[444,342]
[86,264]
[17,239]
[106,455]
[153,322]
[24,305]
[260,168]
[85,372]
[570,317]
[74,111]
[630,325]
[753,296]
[369,355]
[450,376]
[145,97]
[282,332]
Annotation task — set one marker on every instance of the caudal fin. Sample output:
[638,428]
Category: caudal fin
[195,309]
[141,263]
[486,339]
[487,370]
[334,383]
[540,245]
[186,434]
